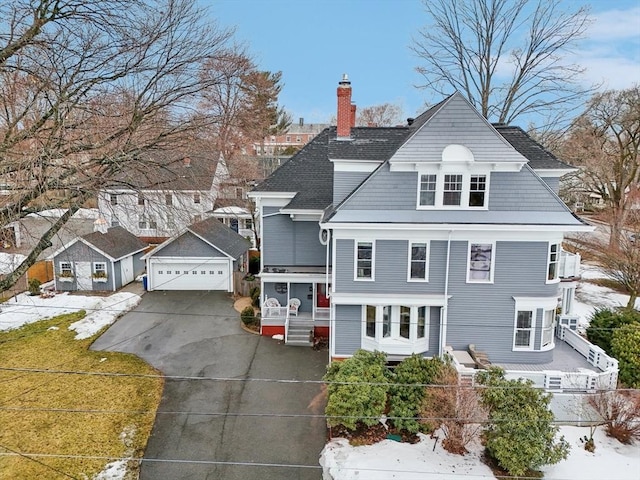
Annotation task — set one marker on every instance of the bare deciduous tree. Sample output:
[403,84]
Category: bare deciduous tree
[385,115]
[605,141]
[506,56]
[85,89]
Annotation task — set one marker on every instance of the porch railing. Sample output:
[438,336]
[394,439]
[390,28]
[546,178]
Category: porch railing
[558,381]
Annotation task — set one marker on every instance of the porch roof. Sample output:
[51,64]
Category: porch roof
[565,359]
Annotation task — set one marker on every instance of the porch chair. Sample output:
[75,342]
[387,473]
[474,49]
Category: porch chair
[294,305]
[271,302]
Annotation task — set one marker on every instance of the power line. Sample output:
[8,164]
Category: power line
[214,315]
[276,380]
[268,465]
[30,458]
[469,420]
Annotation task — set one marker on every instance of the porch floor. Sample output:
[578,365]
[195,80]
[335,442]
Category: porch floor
[565,359]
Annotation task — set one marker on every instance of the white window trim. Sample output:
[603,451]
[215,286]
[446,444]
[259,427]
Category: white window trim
[532,329]
[461,191]
[533,304]
[95,265]
[557,262]
[466,188]
[373,261]
[549,329]
[62,268]
[395,340]
[493,261]
[426,261]
[485,191]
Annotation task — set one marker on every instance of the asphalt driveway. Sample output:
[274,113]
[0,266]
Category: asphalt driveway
[213,429]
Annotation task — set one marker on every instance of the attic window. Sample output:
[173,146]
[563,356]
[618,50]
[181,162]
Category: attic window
[196,198]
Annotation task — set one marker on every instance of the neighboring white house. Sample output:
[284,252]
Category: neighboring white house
[156,199]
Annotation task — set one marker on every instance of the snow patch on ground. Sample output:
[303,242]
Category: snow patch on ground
[117,469]
[101,311]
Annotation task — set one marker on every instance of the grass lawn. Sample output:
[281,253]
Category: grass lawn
[49,344]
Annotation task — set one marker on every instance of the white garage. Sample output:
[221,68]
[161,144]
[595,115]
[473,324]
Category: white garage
[203,257]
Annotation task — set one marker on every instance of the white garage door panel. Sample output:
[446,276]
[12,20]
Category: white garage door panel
[190,276]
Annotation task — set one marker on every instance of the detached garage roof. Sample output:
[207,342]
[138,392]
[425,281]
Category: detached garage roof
[216,234]
[115,244]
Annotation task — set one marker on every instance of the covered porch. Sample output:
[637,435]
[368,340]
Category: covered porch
[295,304]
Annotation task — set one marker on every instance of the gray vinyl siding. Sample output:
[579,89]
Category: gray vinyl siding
[117,273]
[390,268]
[188,245]
[386,190]
[484,314]
[301,291]
[521,191]
[286,243]
[553,182]
[457,123]
[510,191]
[139,265]
[344,183]
[478,313]
[348,325]
[434,331]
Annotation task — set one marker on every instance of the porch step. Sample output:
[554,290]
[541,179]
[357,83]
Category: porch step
[298,335]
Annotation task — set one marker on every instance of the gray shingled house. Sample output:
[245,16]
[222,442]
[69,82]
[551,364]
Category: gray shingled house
[202,257]
[439,237]
[104,260]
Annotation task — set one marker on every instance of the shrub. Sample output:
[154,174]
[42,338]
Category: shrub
[254,293]
[604,323]
[254,264]
[625,346]
[408,391]
[34,286]
[248,317]
[620,413]
[520,433]
[454,409]
[357,390]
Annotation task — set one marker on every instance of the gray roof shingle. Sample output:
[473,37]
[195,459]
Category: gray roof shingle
[539,158]
[222,237]
[310,171]
[116,243]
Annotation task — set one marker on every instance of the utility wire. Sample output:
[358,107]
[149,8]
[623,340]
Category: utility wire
[470,420]
[275,380]
[32,459]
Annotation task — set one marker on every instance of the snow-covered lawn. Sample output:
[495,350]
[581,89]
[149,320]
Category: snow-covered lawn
[392,460]
[101,311]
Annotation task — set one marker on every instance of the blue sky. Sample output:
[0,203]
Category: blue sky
[313,42]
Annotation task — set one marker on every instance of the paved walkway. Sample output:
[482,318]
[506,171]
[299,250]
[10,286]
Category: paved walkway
[223,428]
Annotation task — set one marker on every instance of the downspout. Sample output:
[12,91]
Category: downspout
[444,314]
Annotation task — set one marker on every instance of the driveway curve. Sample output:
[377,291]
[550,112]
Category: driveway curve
[212,429]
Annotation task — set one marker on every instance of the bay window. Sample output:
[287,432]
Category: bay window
[395,325]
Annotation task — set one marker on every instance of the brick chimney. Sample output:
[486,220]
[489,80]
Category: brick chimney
[346,111]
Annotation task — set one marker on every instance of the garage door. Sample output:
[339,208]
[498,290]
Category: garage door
[200,275]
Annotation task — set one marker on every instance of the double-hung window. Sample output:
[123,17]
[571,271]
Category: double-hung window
[418,254]
[547,327]
[477,189]
[168,199]
[364,261]
[427,190]
[552,263]
[481,262]
[452,193]
[523,338]
[196,198]
[113,198]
